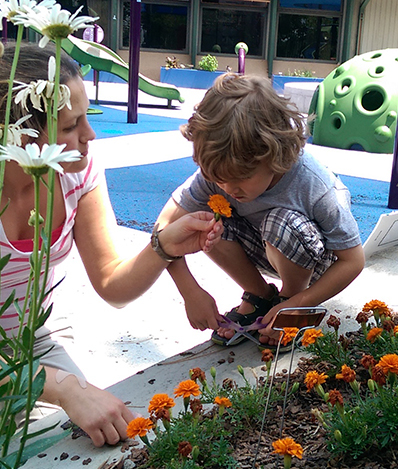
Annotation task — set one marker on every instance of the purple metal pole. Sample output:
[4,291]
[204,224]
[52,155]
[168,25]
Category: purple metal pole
[134,61]
[393,195]
[4,32]
[241,61]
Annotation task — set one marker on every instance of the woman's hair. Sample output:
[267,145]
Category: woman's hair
[32,66]
[241,122]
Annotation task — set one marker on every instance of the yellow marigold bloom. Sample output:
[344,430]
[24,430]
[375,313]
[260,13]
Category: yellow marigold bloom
[389,363]
[187,388]
[310,336]
[287,446]
[222,401]
[290,334]
[313,378]
[139,427]
[375,305]
[374,333]
[347,374]
[160,401]
[219,204]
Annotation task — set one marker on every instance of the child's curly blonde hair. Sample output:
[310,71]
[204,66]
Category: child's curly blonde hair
[240,122]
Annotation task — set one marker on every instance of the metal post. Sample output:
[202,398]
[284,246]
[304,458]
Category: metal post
[393,194]
[134,60]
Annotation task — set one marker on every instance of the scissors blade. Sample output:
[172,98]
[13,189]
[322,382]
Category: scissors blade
[244,333]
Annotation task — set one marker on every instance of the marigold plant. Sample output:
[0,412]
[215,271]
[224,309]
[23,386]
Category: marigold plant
[310,336]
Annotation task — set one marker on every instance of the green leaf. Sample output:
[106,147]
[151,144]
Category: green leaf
[7,303]
[4,261]
[44,316]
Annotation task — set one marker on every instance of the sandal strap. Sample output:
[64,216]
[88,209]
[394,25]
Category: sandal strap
[258,301]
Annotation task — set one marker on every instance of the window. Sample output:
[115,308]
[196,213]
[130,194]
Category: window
[223,27]
[163,26]
[311,36]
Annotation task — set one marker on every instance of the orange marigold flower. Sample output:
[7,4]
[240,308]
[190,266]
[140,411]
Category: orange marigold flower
[396,330]
[267,355]
[313,378]
[184,448]
[389,363]
[139,427]
[287,446]
[376,306]
[219,204]
[187,388]
[310,336]
[373,334]
[289,334]
[367,361]
[378,375]
[160,401]
[222,401]
[335,397]
[347,374]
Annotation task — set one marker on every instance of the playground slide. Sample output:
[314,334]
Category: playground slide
[103,59]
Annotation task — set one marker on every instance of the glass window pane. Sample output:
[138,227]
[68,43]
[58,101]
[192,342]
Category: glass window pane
[163,26]
[246,3]
[307,37]
[333,5]
[223,29]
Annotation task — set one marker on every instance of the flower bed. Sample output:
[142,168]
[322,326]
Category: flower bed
[341,408]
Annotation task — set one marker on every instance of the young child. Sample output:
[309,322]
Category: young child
[291,216]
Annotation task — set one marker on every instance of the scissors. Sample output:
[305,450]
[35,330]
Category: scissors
[242,330]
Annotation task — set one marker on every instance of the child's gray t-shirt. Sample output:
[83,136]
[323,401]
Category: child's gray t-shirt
[309,188]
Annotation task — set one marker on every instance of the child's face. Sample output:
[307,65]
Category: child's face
[73,126]
[246,190]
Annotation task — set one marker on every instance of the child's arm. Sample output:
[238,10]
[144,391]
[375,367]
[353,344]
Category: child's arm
[349,264]
[201,308]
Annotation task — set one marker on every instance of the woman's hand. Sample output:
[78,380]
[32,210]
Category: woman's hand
[191,233]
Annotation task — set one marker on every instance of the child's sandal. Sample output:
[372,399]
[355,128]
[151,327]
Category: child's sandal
[261,308]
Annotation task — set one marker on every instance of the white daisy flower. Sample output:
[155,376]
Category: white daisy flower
[15,131]
[54,22]
[36,162]
[41,91]
[11,8]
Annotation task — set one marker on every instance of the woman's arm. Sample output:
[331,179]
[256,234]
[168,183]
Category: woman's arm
[117,280]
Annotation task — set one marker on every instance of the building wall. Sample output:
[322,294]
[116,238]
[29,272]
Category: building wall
[379,26]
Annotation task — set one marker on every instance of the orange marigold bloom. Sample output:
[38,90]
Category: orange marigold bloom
[347,374]
[310,336]
[139,427]
[375,305]
[289,335]
[378,375]
[187,388]
[396,330]
[219,204]
[335,397]
[389,363]
[313,378]
[373,334]
[160,401]
[222,401]
[287,446]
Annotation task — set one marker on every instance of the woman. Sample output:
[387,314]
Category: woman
[83,214]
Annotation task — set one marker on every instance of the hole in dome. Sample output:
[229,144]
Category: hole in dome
[372,100]
[337,123]
[379,70]
[376,56]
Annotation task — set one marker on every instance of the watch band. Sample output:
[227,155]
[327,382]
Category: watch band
[155,243]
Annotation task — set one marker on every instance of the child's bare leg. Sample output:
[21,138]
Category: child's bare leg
[294,280]
[232,259]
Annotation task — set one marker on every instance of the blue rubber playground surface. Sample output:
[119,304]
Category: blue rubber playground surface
[138,193]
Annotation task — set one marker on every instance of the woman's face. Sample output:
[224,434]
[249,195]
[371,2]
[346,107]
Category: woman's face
[73,126]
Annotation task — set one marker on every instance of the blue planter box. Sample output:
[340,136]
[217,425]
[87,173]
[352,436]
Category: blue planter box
[279,81]
[188,78]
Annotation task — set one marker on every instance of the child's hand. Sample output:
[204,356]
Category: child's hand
[202,311]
